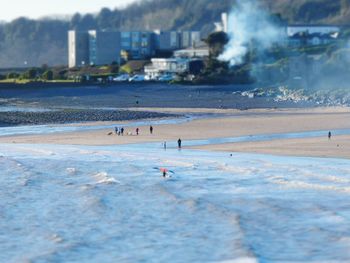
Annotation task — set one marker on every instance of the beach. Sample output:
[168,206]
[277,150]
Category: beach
[224,124]
[249,184]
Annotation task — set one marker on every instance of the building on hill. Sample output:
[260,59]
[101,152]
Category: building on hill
[167,40]
[175,40]
[312,29]
[138,44]
[93,48]
[78,48]
[173,66]
[201,51]
[190,39]
[161,66]
[223,24]
[104,47]
[303,39]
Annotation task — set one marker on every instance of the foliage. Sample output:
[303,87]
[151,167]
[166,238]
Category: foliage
[26,42]
[216,42]
[48,75]
[30,73]
[126,69]
[12,75]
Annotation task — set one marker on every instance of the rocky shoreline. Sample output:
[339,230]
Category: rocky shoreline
[16,118]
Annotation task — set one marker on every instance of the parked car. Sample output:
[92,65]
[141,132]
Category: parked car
[137,78]
[166,78]
[123,77]
[150,78]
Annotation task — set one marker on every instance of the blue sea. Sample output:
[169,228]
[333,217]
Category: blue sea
[111,204]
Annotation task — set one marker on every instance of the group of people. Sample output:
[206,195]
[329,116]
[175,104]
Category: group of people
[120,131]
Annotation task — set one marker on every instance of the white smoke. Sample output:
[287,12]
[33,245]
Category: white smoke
[248,22]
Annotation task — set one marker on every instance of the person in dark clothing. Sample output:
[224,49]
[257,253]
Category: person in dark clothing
[329,135]
[122,131]
[137,131]
[179,143]
[151,129]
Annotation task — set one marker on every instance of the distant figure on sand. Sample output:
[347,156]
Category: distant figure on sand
[116,129]
[179,143]
[122,131]
[164,145]
[137,131]
[151,129]
[329,135]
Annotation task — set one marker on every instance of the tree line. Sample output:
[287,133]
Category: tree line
[26,42]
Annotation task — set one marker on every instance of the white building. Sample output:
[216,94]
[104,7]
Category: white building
[312,29]
[78,48]
[93,48]
[161,66]
[223,24]
[192,52]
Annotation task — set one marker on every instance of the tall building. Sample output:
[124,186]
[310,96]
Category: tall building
[190,39]
[78,48]
[225,22]
[138,44]
[167,40]
[104,47]
[223,25]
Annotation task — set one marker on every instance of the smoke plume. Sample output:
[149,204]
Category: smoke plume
[248,23]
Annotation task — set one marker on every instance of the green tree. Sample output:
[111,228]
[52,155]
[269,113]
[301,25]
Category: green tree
[126,69]
[48,75]
[30,73]
[12,75]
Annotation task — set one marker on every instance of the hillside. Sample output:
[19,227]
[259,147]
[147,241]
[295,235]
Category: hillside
[25,42]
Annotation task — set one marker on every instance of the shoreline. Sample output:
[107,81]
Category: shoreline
[75,116]
[225,124]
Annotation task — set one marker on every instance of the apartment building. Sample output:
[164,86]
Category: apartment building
[78,48]
[100,47]
[138,45]
[104,47]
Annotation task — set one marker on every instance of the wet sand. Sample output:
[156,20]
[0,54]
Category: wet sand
[227,123]
[337,147]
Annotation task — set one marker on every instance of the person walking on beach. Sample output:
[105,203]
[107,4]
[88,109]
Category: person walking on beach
[116,129]
[122,131]
[164,145]
[137,131]
[179,143]
[151,129]
[329,135]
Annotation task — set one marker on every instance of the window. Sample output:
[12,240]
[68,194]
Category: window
[125,35]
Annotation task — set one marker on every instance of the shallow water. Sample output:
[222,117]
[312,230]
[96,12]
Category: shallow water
[109,204]
[79,127]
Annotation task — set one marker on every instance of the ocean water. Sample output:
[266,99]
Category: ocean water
[111,204]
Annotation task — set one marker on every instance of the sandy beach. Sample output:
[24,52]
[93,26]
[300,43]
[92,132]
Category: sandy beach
[338,147]
[226,123]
